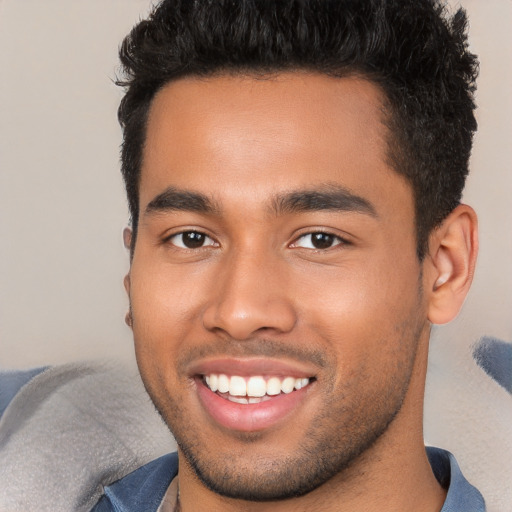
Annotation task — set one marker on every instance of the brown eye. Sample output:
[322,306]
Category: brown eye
[191,240]
[318,240]
[322,240]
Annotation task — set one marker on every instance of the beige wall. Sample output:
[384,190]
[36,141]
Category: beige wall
[62,207]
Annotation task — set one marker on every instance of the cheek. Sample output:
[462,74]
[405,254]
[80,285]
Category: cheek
[363,311]
[357,291]
[166,303]
[160,289]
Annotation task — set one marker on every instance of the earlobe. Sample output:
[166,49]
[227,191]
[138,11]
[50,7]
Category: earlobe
[451,264]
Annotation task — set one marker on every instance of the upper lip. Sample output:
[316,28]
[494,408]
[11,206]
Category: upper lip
[246,367]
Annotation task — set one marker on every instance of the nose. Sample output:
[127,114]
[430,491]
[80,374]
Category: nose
[251,295]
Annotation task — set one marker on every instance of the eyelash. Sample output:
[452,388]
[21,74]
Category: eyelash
[198,234]
[335,240]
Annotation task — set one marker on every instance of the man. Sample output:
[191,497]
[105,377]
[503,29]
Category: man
[294,173]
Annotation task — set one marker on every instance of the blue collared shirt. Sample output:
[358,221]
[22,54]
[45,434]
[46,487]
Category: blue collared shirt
[145,488]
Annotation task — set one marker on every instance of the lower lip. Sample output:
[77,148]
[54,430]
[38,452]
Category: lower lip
[249,417]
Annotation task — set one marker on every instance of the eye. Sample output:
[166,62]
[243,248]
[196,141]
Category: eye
[318,240]
[191,240]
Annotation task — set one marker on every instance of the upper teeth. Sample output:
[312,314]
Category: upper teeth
[253,386]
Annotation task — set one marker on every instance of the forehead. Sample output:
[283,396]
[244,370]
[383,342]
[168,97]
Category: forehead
[249,136]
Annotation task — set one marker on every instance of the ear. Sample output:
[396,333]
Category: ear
[450,264]
[126,282]
[128,318]
[127,238]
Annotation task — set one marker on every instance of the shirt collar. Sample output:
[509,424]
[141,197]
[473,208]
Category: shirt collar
[461,496]
[145,488]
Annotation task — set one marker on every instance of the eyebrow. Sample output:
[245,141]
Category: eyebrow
[329,197]
[173,199]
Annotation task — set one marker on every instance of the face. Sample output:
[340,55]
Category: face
[275,288]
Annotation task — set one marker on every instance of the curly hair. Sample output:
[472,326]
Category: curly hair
[414,50]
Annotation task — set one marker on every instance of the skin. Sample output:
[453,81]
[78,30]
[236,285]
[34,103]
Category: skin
[355,315]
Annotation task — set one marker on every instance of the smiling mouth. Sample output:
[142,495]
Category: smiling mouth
[254,389]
